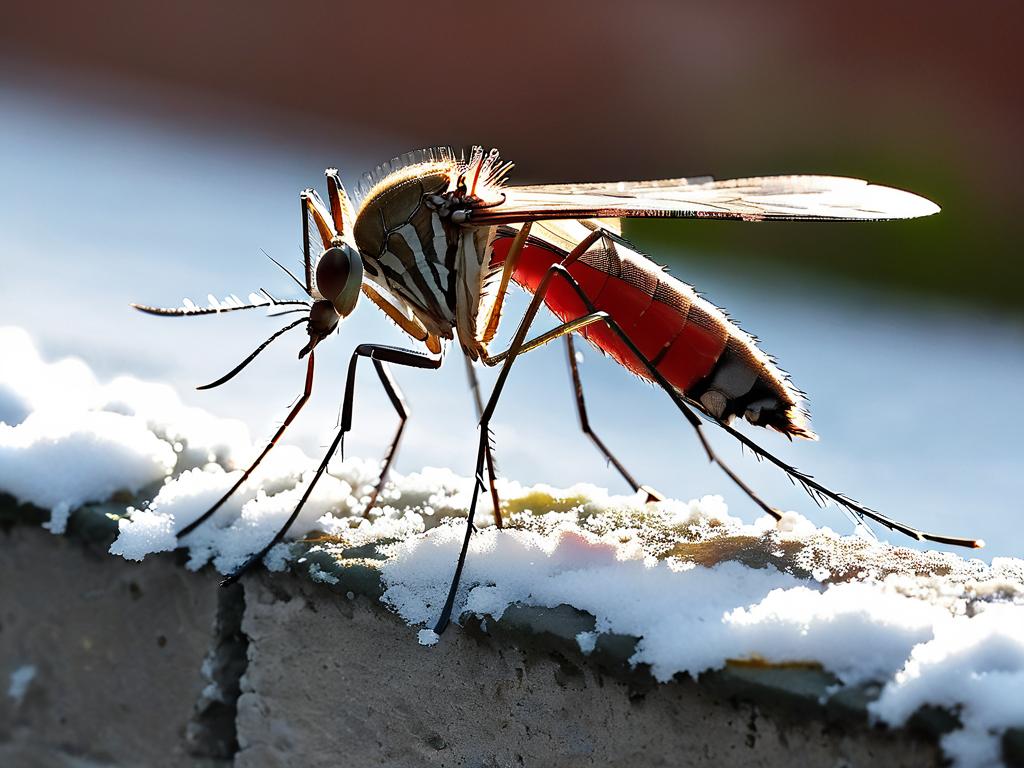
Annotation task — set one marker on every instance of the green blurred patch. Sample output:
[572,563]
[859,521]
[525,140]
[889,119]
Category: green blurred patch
[968,253]
[540,502]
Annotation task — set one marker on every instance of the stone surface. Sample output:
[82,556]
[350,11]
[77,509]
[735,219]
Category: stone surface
[117,649]
[142,664]
[333,680]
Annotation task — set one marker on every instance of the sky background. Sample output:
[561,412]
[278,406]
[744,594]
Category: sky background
[124,182]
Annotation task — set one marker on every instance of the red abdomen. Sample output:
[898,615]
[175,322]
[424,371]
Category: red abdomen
[688,340]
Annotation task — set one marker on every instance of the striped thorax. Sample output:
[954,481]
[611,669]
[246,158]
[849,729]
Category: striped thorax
[411,234]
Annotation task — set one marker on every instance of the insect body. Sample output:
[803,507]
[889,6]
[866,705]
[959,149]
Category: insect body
[698,350]
[436,241]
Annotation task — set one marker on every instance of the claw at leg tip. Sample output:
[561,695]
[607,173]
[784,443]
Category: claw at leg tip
[652,495]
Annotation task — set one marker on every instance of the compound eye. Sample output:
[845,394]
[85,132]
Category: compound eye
[332,271]
[339,275]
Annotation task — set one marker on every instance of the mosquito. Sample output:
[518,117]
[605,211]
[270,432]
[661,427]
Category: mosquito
[435,241]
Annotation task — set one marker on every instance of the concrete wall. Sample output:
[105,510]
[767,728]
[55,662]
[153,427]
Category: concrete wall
[148,664]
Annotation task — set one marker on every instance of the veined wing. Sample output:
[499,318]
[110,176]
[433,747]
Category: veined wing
[768,198]
[582,187]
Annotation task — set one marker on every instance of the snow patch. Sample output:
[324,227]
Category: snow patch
[697,586]
[587,641]
[930,628]
[21,678]
[973,665]
[68,440]
[428,637]
[316,573]
[62,461]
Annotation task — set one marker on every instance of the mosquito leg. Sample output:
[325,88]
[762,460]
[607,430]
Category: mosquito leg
[340,204]
[519,346]
[306,391]
[474,385]
[508,269]
[485,420]
[581,409]
[375,352]
[381,356]
[328,224]
[815,489]
[306,204]
[401,407]
[253,559]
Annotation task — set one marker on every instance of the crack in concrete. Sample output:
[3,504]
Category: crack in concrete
[212,731]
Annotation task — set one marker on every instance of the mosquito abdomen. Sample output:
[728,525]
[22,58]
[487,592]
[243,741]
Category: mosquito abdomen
[690,341]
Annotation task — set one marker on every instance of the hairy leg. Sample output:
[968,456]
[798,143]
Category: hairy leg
[581,410]
[474,385]
[377,353]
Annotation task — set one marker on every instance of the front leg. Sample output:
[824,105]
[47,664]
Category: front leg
[379,354]
[397,401]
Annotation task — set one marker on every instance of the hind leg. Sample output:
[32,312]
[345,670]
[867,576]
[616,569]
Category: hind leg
[581,410]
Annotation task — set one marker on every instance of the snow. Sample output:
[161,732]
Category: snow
[587,641]
[57,461]
[316,573]
[21,679]
[428,637]
[737,612]
[695,585]
[955,640]
[974,664]
[67,440]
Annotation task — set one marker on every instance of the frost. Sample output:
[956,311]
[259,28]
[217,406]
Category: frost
[59,516]
[316,573]
[276,560]
[143,533]
[697,586]
[67,440]
[21,678]
[428,637]
[927,627]
[62,461]
[587,641]
[974,664]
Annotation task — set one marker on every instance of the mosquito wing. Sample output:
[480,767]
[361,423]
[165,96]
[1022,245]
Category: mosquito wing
[769,198]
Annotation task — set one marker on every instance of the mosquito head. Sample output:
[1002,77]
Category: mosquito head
[339,276]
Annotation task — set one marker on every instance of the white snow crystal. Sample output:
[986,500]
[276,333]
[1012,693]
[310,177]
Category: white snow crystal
[924,639]
[587,641]
[21,678]
[316,573]
[53,459]
[143,533]
[66,439]
[698,587]
[855,630]
[973,664]
[59,516]
[428,637]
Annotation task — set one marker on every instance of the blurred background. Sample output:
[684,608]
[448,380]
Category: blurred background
[150,151]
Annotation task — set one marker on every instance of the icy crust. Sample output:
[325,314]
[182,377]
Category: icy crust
[67,440]
[700,588]
[696,586]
